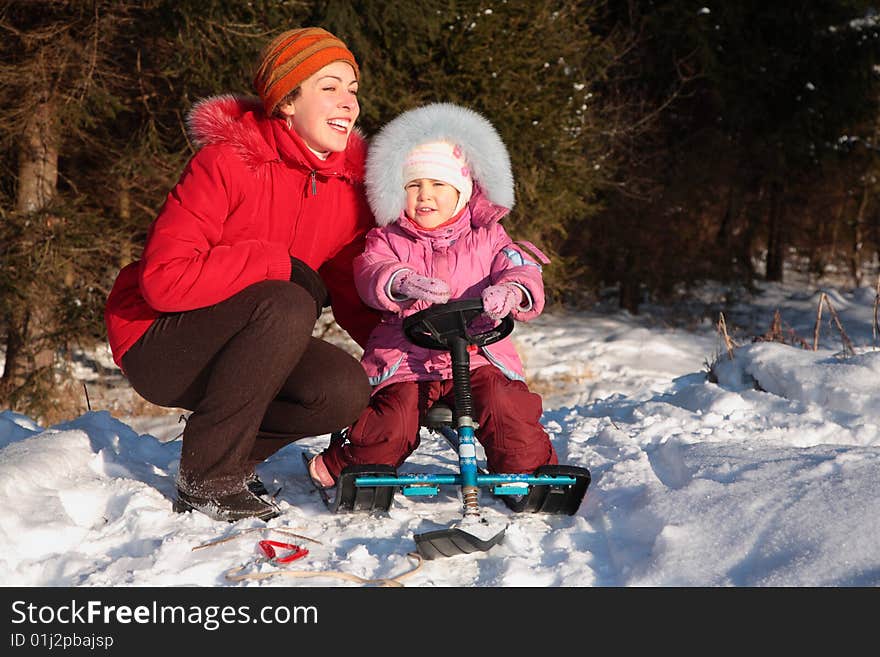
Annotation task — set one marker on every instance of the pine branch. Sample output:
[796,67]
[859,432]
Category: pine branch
[875,327]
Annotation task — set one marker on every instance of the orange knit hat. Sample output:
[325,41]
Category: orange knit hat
[293,56]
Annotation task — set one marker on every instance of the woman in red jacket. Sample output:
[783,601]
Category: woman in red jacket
[257,236]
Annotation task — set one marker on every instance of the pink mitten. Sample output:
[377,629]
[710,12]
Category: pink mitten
[499,300]
[414,286]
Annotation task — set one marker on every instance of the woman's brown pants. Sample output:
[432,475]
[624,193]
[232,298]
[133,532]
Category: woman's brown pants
[254,378]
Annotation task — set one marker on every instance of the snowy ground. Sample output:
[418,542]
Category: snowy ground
[766,478]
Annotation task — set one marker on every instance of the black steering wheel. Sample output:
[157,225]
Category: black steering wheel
[436,327]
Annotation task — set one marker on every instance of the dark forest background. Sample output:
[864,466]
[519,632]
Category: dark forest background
[655,144]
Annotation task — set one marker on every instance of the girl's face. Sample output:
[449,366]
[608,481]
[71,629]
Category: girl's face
[325,110]
[430,202]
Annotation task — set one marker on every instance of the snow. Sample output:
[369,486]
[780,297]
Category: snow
[765,478]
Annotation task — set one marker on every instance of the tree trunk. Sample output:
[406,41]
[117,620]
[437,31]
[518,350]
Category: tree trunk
[736,235]
[125,255]
[629,295]
[855,258]
[725,229]
[38,160]
[835,230]
[630,286]
[27,346]
[16,328]
[775,231]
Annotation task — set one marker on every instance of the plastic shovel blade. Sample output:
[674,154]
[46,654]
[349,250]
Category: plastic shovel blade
[468,537]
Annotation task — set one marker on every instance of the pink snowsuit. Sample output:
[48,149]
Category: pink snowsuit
[470,254]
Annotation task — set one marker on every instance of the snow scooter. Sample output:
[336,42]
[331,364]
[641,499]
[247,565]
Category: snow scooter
[552,489]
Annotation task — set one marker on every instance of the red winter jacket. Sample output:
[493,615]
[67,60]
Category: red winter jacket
[252,196]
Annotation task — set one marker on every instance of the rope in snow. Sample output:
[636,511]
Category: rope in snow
[235,574]
[256,529]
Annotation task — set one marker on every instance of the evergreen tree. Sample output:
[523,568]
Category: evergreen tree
[530,67]
[92,103]
[653,142]
[59,86]
[755,98]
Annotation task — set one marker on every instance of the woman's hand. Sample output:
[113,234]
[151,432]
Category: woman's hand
[308,278]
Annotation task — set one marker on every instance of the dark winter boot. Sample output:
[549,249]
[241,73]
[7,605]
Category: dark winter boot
[231,508]
[255,485]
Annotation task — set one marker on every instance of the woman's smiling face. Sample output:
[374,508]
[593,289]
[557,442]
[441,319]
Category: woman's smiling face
[325,110]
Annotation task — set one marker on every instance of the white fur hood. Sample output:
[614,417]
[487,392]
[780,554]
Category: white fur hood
[479,141]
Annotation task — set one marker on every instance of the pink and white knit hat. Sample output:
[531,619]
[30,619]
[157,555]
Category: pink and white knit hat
[440,160]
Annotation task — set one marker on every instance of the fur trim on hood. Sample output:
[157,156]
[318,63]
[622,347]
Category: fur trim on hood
[479,141]
[235,121]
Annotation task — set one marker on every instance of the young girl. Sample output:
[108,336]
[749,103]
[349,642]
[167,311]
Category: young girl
[439,182]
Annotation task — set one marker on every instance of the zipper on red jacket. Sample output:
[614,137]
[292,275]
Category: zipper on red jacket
[314,183]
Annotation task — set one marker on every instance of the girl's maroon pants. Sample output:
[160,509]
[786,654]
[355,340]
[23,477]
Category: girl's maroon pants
[508,414]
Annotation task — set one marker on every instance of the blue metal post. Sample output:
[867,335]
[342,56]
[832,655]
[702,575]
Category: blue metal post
[467,452]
